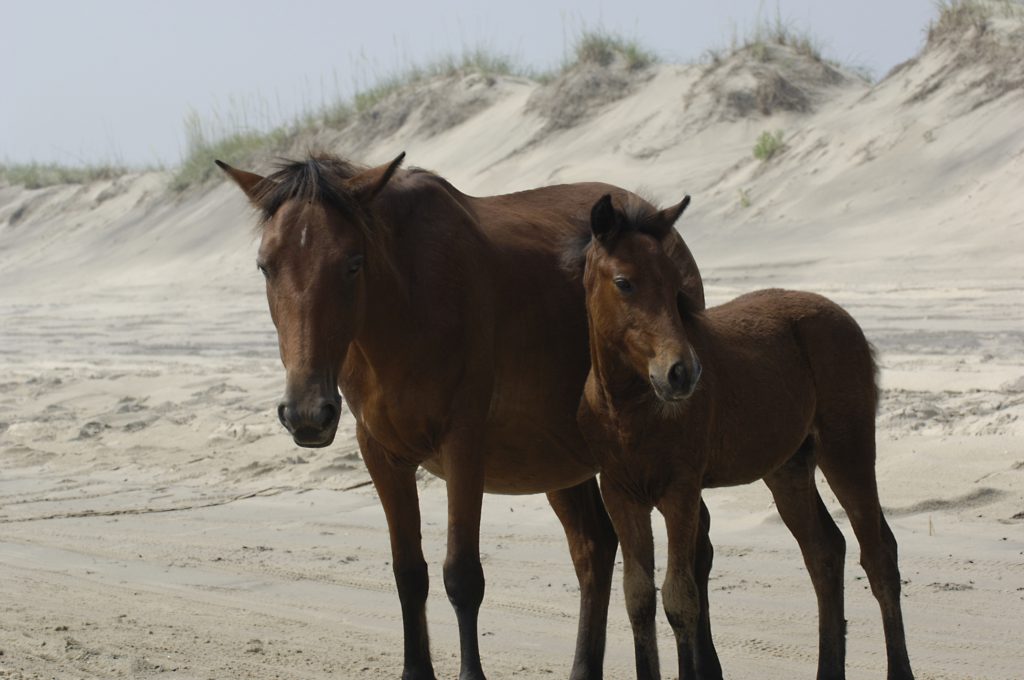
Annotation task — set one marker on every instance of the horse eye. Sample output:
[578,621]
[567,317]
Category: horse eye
[623,284]
[262,269]
[355,263]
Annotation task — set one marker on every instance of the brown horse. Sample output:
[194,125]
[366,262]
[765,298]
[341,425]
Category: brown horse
[460,344]
[767,386]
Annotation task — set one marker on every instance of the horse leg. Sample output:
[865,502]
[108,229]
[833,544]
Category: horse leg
[679,593]
[396,487]
[592,544]
[824,551]
[708,665]
[632,522]
[463,575]
[847,458]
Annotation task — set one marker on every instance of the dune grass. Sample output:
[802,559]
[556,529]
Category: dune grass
[39,175]
[477,60]
[762,39]
[957,16]
[236,142]
[776,31]
[233,140]
[602,47]
[203,146]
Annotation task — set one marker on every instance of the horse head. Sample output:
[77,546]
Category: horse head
[636,298]
[320,240]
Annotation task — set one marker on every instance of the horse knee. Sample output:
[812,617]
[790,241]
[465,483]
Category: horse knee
[880,565]
[413,582]
[883,572]
[464,583]
[681,601]
[704,557]
[889,541]
[594,561]
[880,554]
[705,554]
[833,550]
[641,595]
[604,545]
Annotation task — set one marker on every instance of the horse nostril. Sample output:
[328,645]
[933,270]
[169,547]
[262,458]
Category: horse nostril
[677,377]
[328,414]
[282,415]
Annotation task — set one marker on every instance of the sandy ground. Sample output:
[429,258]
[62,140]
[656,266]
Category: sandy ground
[155,521]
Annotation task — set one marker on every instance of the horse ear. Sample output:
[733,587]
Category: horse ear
[247,181]
[367,185]
[673,213]
[603,220]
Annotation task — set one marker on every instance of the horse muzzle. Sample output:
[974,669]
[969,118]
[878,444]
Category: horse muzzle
[312,422]
[679,381]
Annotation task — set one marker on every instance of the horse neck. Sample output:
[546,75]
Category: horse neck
[393,314]
[387,316]
[622,389]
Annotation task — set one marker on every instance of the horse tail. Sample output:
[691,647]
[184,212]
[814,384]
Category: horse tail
[876,372]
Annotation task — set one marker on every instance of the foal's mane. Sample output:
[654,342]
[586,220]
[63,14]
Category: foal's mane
[638,215]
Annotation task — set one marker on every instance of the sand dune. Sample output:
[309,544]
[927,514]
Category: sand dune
[156,521]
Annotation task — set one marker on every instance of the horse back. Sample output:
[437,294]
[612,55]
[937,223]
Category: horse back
[551,218]
[796,332]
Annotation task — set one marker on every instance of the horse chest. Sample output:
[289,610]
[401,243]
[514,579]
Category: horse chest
[639,459]
[410,433]
[643,475]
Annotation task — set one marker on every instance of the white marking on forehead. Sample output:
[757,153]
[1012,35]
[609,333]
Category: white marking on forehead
[302,240]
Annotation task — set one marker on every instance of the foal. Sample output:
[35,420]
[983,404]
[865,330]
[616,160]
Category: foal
[767,386]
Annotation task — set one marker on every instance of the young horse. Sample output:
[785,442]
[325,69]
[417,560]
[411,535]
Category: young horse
[767,386]
[460,344]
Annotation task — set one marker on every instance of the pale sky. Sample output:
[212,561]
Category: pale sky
[112,80]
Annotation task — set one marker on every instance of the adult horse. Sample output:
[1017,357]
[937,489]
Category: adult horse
[768,386]
[460,344]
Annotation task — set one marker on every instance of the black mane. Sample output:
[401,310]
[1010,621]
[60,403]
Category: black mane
[320,178]
[637,215]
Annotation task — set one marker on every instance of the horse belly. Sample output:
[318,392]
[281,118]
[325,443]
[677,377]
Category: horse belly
[524,459]
[767,434]
[522,471]
[747,464]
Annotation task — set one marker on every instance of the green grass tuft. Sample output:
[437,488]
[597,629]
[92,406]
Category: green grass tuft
[768,145]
